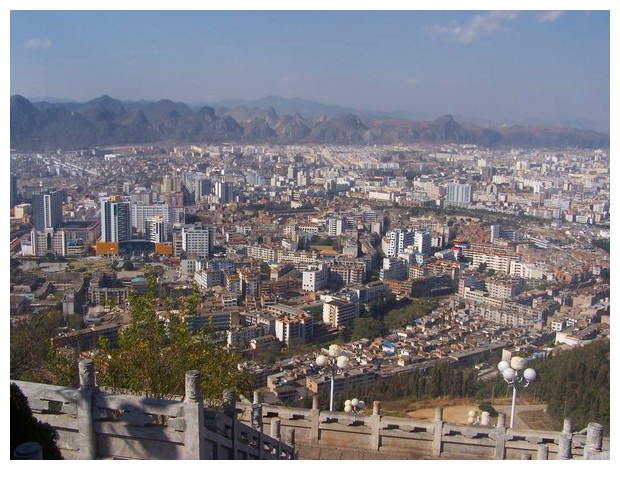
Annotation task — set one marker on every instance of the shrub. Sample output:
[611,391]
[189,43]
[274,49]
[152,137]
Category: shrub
[485,407]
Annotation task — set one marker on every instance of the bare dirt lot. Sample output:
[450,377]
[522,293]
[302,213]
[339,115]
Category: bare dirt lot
[528,416]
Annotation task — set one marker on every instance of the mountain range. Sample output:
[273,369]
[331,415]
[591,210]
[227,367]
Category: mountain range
[104,121]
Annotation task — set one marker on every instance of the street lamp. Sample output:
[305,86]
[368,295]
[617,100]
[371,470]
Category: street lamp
[513,376]
[334,363]
[355,406]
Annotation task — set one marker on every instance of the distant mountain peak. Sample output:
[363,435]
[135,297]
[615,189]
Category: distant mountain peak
[106,121]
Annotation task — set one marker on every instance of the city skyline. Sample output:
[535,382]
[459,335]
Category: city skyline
[285,238]
[514,66]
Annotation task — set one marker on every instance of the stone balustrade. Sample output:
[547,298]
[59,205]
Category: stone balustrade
[94,424]
[321,434]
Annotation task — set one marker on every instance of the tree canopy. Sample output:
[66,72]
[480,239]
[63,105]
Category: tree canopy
[576,385]
[30,344]
[152,356]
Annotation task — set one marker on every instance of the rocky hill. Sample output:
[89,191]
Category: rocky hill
[105,121]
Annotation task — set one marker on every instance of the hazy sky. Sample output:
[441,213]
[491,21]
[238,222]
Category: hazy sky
[487,64]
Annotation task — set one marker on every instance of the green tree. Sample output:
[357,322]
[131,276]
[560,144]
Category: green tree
[62,367]
[367,327]
[128,265]
[441,379]
[152,356]
[381,306]
[30,344]
[576,384]
[75,321]
[344,335]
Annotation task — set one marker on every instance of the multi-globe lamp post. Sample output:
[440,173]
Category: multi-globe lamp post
[334,363]
[354,406]
[516,377]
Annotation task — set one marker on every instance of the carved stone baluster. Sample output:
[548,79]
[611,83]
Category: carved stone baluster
[85,416]
[194,417]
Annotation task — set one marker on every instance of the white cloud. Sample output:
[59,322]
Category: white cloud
[550,16]
[44,43]
[412,81]
[478,26]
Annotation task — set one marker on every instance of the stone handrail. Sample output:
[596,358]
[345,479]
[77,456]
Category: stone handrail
[93,424]
[434,439]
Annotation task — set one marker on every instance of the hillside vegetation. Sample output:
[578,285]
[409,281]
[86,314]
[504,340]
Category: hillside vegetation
[576,385]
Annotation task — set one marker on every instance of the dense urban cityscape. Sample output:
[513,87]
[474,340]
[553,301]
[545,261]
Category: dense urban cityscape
[289,246]
[406,226]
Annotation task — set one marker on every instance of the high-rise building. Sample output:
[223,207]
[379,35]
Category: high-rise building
[140,215]
[394,269]
[340,313]
[156,229]
[174,199]
[42,241]
[203,188]
[197,240]
[115,219]
[166,184]
[47,209]
[170,184]
[253,178]
[224,191]
[396,240]
[142,196]
[497,232]
[315,277]
[458,194]
[250,279]
[22,210]
[346,274]
[13,190]
[422,241]
[335,227]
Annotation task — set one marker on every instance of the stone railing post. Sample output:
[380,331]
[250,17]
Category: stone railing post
[230,410]
[275,428]
[28,451]
[543,452]
[256,415]
[290,438]
[375,425]
[437,432]
[594,440]
[194,436]
[566,440]
[85,417]
[315,421]
[500,437]
[275,433]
